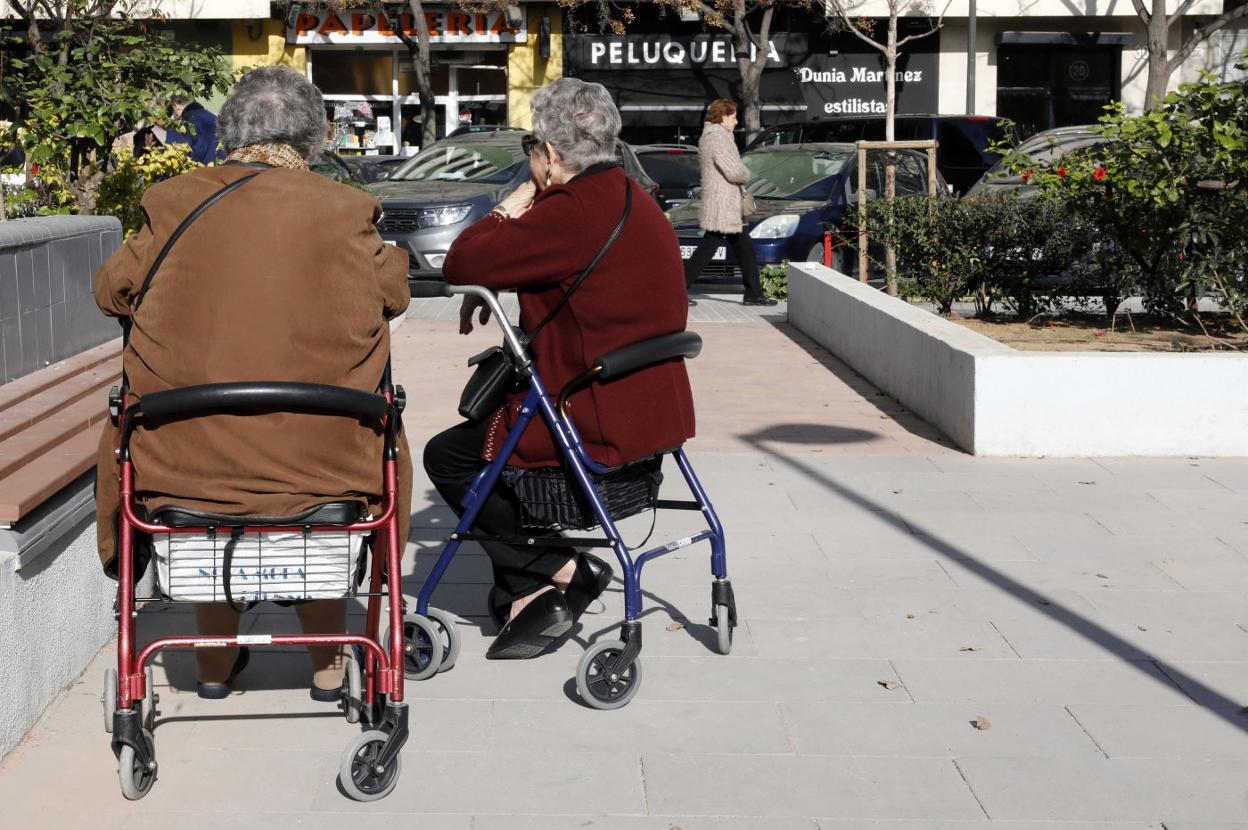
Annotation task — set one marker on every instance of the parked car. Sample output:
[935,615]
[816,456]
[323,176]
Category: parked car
[801,190]
[330,164]
[468,129]
[1041,147]
[676,169]
[374,168]
[429,200]
[961,157]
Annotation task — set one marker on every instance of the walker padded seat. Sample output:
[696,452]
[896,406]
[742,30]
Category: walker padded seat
[330,513]
[686,344]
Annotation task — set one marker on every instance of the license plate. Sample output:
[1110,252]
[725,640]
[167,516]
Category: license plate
[686,251]
[390,242]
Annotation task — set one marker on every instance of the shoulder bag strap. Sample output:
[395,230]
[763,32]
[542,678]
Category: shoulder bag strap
[615,233]
[186,223]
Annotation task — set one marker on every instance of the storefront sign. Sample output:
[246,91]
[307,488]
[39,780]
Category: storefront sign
[855,83]
[362,26]
[595,52]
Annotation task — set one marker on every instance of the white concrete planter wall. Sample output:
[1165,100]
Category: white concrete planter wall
[995,400]
[56,608]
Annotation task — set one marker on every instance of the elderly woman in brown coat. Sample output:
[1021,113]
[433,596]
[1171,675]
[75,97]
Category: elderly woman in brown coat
[719,212]
[285,279]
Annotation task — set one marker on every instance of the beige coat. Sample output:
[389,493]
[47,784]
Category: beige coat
[722,177]
[285,279]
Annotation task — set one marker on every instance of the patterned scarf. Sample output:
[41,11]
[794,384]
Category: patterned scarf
[275,155]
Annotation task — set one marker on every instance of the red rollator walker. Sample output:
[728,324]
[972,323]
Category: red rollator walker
[316,554]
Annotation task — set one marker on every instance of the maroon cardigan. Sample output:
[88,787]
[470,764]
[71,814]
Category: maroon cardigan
[636,292]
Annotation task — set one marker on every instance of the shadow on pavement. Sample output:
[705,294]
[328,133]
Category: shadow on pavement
[883,403]
[1225,708]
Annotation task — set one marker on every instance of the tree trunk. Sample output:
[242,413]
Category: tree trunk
[751,61]
[1158,60]
[419,49]
[890,134]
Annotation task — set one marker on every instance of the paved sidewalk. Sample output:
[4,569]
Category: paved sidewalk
[1091,616]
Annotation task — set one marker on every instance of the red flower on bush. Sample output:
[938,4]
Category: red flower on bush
[1026,176]
[1099,174]
[1061,172]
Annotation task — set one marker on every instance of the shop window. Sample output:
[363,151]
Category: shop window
[441,76]
[474,81]
[352,73]
[1039,88]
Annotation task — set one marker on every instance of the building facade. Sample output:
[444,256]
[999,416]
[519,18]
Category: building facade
[1041,64]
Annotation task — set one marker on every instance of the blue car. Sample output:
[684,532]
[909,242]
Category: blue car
[803,190]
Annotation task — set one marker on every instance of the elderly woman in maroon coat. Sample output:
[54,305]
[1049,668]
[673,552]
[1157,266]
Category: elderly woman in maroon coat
[537,241]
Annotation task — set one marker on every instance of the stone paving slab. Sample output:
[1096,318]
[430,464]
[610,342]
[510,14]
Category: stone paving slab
[1108,789]
[891,591]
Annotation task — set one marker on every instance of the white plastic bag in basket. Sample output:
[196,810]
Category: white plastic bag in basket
[190,567]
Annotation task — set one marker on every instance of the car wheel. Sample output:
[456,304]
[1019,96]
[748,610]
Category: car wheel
[842,258]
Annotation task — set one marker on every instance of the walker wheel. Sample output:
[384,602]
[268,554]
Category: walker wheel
[359,776]
[723,628]
[597,681]
[422,647]
[136,778]
[110,698]
[352,688]
[450,637]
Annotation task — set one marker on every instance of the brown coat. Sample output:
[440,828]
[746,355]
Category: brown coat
[285,279]
[636,292]
[722,177]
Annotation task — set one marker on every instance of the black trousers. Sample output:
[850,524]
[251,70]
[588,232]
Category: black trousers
[744,250]
[452,460]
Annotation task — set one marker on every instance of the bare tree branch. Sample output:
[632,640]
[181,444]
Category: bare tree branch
[1202,34]
[940,21]
[838,7]
[1142,10]
[1179,12]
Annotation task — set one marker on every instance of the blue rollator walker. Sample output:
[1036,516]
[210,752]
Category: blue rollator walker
[609,674]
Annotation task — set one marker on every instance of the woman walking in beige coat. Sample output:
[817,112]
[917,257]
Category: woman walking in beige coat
[720,213]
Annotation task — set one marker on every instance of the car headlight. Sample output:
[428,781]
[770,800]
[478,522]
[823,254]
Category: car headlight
[437,217]
[776,227]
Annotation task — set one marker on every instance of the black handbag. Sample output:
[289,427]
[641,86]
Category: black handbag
[496,375]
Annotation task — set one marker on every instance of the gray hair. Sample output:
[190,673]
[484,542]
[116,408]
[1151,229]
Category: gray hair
[274,104]
[579,119]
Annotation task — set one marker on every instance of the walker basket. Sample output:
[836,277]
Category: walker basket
[550,497]
[194,567]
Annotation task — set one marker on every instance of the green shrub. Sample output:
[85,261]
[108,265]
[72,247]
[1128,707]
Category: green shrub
[1163,198]
[122,190]
[775,280]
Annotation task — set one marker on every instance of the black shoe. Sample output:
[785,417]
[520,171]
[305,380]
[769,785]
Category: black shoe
[325,695]
[220,691]
[693,302]
[533,630]
[758,301]
[591,578]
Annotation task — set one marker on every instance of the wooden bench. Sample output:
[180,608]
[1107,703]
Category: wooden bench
[50,423]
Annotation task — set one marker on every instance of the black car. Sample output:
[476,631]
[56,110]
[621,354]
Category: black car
[469,129]
[374,168]
[675,167]
[962,155]
[440,191]
[331,165]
